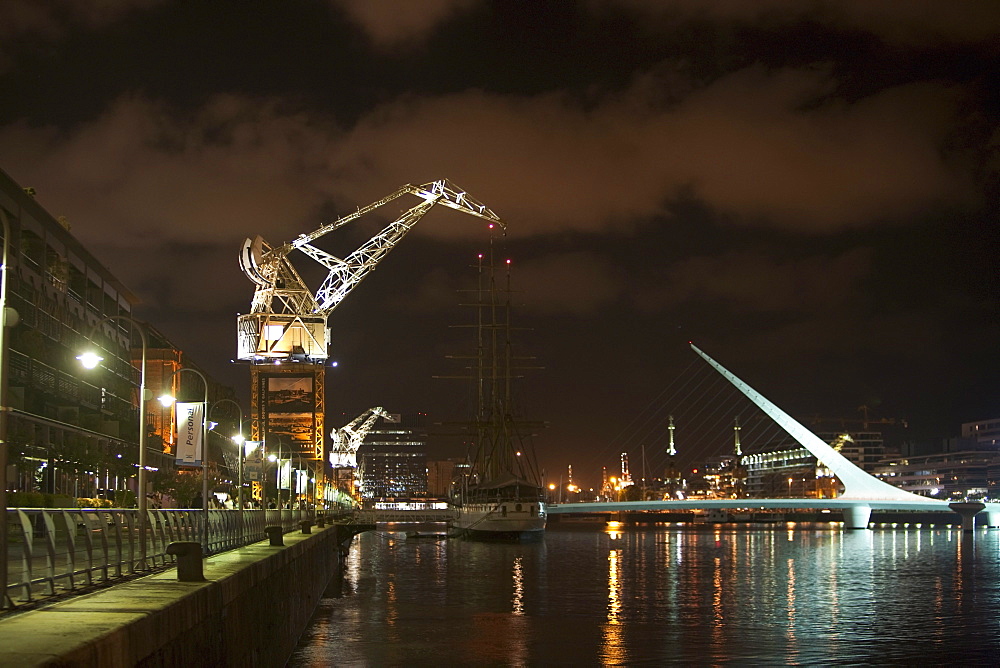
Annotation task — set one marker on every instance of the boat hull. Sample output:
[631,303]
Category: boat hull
[510,520]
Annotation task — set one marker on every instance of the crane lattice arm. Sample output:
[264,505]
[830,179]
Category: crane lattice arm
[286,319]
[346,440]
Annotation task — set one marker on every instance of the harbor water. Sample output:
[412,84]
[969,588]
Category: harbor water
[666,595]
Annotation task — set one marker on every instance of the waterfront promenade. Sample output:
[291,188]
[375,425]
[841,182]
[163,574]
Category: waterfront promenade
[250,608]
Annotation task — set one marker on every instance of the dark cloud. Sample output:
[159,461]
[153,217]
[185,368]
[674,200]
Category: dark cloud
[916,22]
[52,19]
[400,25]
[33,24]
[806,188]
[770,148]
[578,283]
[753,282]
[153,177]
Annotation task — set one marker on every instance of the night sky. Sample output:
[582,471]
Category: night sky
[807,190]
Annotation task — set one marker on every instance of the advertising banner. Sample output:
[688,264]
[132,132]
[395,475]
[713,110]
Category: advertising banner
[190,417]
[285,474]
[253,465]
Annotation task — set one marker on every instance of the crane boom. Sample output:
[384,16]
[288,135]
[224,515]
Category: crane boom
[346,440]
[287,320]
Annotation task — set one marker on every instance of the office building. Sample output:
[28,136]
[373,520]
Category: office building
[392,461]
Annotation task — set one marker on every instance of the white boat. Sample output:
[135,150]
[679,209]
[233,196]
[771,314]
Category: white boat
[500,497]
[510,509]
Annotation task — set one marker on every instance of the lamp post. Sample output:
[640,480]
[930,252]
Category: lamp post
[5,601]
[277,478]
[238,439]
[167,400]
[91,360]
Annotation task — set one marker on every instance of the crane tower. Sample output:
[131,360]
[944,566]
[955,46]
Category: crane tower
[285,336]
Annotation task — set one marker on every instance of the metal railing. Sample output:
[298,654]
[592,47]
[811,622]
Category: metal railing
[53,551]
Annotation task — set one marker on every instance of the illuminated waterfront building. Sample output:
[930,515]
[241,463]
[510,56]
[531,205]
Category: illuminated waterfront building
[392,461]
[72,432]
[968,474]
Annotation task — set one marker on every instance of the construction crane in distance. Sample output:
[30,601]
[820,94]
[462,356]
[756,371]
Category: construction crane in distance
[287,321]
[344,442]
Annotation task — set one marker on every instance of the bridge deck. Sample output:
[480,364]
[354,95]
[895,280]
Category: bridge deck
[930,505]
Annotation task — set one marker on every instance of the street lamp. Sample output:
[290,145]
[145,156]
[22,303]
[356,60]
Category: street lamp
[167,400]
[5,600]
[90,360]
[277,479]
[239,440]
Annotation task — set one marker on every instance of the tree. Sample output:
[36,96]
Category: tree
[181,485]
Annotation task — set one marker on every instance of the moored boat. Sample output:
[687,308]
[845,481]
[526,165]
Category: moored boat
[508,509]
[501,496]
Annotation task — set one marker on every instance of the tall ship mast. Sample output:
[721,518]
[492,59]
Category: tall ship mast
[501,496]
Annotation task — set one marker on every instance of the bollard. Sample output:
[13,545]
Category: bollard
[189,564]
[306,526]
[274,533]
[321,521]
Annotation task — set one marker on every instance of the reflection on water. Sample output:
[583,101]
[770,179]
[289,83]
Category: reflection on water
[613,647]
[518,607]
[671,595]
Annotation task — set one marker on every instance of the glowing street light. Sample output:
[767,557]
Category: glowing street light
[90,360]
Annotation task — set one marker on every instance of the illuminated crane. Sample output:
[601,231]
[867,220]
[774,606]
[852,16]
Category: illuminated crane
[346,440]
[287,321]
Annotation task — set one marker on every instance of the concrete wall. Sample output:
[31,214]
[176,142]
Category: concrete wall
[251,610]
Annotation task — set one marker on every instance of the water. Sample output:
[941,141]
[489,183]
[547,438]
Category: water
[667,595]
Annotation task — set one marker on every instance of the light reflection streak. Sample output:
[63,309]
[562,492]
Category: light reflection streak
[717,601]
[939,606]
[614,643]
[353,567]
[614,587]
[790,597]
[518,602]
[391,600]
[834,590]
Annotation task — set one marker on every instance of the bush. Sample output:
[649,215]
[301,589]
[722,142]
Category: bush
[85,502]
[25,500]
[39,500]
[125,499]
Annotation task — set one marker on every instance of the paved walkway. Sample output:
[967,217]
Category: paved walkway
[52,632]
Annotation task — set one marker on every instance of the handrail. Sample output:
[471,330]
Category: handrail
[58,550]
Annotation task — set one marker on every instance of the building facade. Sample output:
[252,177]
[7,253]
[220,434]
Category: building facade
[970,474]
[986,433]
[70,431]
[392,461]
